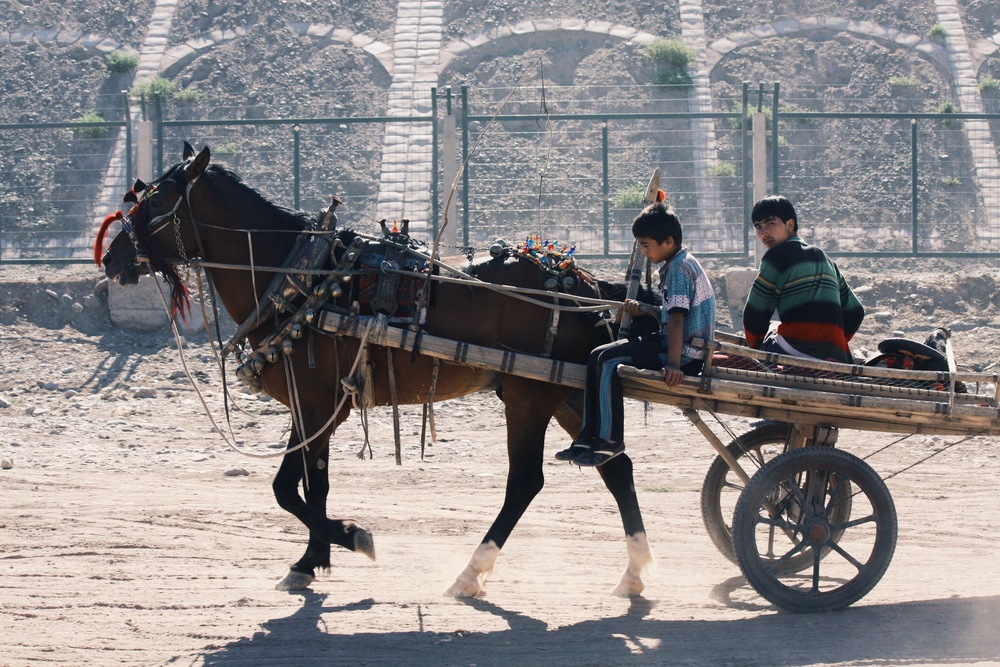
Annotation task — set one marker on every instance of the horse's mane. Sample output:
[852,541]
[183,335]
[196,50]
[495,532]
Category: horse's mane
[218,175]
[218,178]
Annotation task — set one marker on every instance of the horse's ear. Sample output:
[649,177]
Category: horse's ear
[188,150]
[130,197]
[139,185]
[198,165]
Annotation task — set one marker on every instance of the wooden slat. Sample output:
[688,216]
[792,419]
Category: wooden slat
[725,396]
[501,361]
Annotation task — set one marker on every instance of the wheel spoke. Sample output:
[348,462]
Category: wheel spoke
[848,557]
[860,521]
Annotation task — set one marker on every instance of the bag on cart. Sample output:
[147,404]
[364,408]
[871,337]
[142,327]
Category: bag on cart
[931,355]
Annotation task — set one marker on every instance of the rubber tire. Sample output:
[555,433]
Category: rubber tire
[716,521]
[761,574]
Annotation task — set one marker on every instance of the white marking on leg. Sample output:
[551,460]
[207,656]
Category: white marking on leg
[472,579]
[294,581]
[640,556]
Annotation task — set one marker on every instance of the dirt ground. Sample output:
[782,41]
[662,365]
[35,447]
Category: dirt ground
[131,534]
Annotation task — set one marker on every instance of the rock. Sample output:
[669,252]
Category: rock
[7,464]
[144,392]
[236,472]
[4,403]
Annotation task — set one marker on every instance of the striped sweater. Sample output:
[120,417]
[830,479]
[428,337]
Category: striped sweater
[818,311]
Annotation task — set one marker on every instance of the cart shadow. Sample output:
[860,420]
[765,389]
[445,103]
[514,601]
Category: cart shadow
[945,631]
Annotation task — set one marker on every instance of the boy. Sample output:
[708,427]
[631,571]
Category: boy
[688,312]
[819,313]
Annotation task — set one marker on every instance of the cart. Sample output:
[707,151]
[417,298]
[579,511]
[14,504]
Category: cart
[813,527]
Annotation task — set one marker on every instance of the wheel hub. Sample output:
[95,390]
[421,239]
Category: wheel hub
[818,533]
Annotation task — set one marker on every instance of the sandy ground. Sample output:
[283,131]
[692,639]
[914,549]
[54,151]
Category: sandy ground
[123,540]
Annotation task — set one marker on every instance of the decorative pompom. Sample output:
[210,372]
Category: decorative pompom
[661,195]
[101,233]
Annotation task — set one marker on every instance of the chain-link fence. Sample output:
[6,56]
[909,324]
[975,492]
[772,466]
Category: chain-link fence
[568,164]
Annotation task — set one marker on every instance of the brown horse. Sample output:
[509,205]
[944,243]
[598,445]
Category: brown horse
[197,210]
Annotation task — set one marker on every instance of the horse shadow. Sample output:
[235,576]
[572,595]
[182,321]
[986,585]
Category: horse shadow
[944,631]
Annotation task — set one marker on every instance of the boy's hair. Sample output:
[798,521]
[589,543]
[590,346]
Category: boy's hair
[659,223]
[774,205]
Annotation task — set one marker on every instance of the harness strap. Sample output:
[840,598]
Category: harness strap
[395,406]
[428,412]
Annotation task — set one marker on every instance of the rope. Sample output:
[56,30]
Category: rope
[208,412]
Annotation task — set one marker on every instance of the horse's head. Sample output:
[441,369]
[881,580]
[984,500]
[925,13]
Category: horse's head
[152,237]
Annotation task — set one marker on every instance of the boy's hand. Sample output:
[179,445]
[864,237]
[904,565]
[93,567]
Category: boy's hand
[632,307]
[672,376]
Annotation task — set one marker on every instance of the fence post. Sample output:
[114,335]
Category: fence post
[605,188]
[746,171]
[465,161]
[143,151]
[296,176]
[435,165]
[913,185]
[450,172]
[159,132]
[776,188]
[759,171]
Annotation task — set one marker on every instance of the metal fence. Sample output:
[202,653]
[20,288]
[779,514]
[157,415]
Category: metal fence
[568,164]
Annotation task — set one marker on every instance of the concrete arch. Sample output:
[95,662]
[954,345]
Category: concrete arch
[181,56]
[983,49]
[929,49]
[88,41]
[453,50]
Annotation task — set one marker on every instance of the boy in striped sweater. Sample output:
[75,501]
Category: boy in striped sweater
[818,311]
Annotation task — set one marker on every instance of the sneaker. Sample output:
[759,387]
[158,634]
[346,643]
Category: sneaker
[578,447]
[600,452]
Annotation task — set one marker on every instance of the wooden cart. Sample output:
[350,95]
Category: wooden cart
[814,527]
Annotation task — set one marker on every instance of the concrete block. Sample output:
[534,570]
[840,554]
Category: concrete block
[137,306]
[738,281]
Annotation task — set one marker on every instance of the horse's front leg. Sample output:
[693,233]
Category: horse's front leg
[528,408]
[618,477]
[312,512]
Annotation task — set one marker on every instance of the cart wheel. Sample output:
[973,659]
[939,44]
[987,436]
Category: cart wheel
[797,493]
[722,488]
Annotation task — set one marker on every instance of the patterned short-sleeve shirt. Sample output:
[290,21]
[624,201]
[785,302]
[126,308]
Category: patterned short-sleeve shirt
[685,286]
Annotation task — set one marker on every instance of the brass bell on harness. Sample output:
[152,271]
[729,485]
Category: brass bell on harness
[295,331]
[568,283]
[335,291]
[310,315]
[287,347]
[271,354]
[498,249]
[257,363]
[551,283]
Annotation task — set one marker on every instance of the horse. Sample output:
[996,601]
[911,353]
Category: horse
[242,240]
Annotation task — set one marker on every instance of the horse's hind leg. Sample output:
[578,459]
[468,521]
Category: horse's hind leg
[528,407]
[618,477]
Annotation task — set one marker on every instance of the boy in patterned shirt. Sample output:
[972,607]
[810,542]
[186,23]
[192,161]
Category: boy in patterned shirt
[688,312]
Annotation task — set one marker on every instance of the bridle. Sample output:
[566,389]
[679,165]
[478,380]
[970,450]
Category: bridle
[160,222]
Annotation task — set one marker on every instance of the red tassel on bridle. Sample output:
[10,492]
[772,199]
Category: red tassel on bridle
[102,232]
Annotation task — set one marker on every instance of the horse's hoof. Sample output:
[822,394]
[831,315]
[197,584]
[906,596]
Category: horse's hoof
[629,587]
[294,581]
[465,588]
[363,542]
